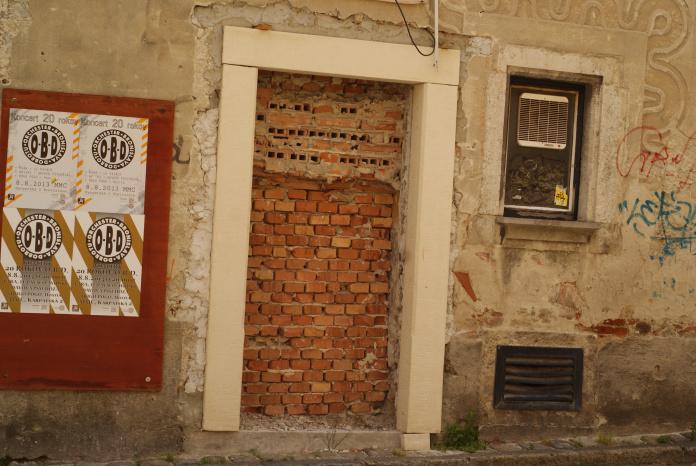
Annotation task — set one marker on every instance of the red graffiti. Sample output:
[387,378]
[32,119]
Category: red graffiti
[647,159]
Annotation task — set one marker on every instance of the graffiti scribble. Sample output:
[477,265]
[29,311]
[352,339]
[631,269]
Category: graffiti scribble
[666,218]
[661,155]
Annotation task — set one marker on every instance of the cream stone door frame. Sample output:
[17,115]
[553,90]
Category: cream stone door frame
[427,235]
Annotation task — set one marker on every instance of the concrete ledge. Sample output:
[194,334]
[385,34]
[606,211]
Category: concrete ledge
[535,229]
[280,442]
[415,441]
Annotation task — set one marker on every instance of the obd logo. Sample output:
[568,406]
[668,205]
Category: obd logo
[44,144]
[38,236]
[108,240]
[113,149]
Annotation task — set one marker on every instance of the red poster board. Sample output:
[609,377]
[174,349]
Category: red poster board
[97,352]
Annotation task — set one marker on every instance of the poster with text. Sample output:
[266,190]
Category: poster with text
[107,263]
[36,260]
[82,295]
[113,160]
[41,159]
[73,221]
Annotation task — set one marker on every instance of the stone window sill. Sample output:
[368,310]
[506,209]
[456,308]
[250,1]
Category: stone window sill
[557,231]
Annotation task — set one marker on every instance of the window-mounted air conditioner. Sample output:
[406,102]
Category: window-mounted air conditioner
[542,150]
[543,121]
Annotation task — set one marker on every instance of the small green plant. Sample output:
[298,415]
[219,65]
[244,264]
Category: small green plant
[464,435]
[604,439]
[169,458]
[663,439]
[693,431]
[398,452]
[5,460]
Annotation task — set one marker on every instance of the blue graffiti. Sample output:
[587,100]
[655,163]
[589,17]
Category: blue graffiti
[665,218]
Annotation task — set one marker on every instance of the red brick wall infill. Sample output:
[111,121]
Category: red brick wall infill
[317,126]
[317,294]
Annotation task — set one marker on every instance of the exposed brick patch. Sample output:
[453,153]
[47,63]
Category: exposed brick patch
[319,126]
[609,327]
[317,294]
[634,327]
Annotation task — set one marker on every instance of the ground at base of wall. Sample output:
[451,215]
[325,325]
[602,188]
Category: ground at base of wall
[375,422]
[653,449]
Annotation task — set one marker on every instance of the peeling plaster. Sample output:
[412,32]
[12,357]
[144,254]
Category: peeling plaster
[192,294]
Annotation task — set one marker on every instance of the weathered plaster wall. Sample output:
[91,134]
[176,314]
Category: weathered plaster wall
[541,292]
[168,49]
[122,48]
[626,297]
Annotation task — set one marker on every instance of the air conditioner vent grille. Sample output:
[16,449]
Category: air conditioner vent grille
[543,121]
[538,378]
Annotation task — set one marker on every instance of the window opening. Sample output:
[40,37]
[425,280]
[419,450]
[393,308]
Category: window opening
[543,148]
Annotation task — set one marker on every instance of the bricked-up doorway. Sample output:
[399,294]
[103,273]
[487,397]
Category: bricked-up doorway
[426,219]
[327,161]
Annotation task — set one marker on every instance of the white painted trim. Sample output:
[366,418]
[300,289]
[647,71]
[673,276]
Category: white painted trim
[231,220]
[426,265]
[411,442]
[334,56]
[426,259]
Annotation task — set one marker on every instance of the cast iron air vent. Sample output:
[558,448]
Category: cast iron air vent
[538,378]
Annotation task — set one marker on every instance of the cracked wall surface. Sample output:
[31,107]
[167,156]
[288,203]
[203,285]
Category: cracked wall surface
[626,296]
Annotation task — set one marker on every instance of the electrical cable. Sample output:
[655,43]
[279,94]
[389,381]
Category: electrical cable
[408,29]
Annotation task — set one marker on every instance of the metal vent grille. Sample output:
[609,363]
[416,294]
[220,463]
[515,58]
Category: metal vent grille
[538,378]
[543,121]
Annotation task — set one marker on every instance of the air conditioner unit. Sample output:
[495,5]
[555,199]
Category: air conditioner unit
[541,151]
[543,121]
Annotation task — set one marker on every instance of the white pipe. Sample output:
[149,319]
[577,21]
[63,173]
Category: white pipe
[437,32]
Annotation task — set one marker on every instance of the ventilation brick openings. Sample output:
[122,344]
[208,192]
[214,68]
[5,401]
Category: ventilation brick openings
[329,126]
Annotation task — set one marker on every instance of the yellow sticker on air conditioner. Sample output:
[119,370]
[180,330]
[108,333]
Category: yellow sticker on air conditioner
[560,198]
